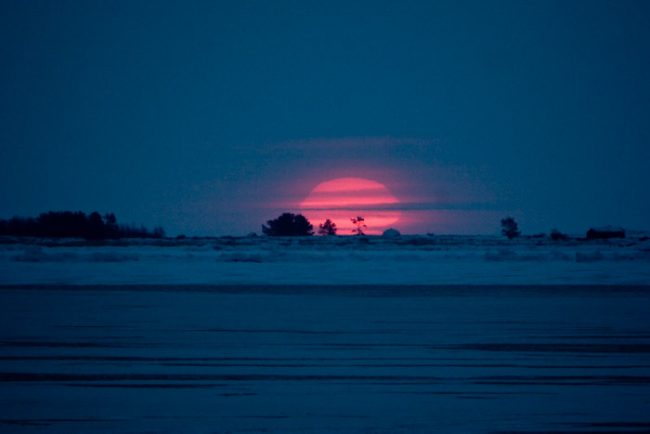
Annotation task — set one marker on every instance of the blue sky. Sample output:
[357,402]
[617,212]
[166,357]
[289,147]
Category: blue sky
[211,117]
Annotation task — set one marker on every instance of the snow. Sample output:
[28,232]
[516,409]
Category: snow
[412,260]
[391,233]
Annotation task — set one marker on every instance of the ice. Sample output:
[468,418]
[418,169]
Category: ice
[321,360]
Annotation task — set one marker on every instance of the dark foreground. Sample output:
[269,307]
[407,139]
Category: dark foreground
[325,360]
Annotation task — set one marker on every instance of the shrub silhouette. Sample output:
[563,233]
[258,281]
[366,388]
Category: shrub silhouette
[605,233]
[68,224]
[327,228]
[509,228]
[556,235]
[288,225]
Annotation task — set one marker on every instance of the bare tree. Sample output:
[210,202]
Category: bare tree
[360,224]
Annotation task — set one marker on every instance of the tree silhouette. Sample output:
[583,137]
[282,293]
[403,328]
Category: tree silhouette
[360,224]
[288,225]
[509,228]
[327,228]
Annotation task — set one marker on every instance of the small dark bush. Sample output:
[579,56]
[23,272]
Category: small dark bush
[558,236]
[605,233]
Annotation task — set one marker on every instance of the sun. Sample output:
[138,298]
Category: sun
[342,199]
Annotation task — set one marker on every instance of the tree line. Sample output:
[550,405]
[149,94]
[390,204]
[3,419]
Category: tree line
[297,225]
[75,224]
[69,224]
[289,224]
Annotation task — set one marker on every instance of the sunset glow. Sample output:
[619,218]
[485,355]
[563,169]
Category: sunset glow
[342,199]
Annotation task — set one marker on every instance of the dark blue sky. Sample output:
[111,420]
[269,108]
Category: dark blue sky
[212,117]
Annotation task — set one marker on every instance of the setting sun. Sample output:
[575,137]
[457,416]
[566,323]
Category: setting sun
[342,199]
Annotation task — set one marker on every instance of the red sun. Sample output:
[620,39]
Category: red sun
[342,199]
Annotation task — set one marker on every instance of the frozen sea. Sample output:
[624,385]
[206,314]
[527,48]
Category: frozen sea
[416,335]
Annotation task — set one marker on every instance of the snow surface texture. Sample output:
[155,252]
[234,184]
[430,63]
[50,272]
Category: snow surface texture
[410,260]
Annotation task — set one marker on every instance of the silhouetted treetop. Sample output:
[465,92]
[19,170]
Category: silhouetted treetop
[68,224]
[288,225]
[510,228]
[360,224]
[327,228]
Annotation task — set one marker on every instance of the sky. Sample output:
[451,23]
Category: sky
[209,118]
